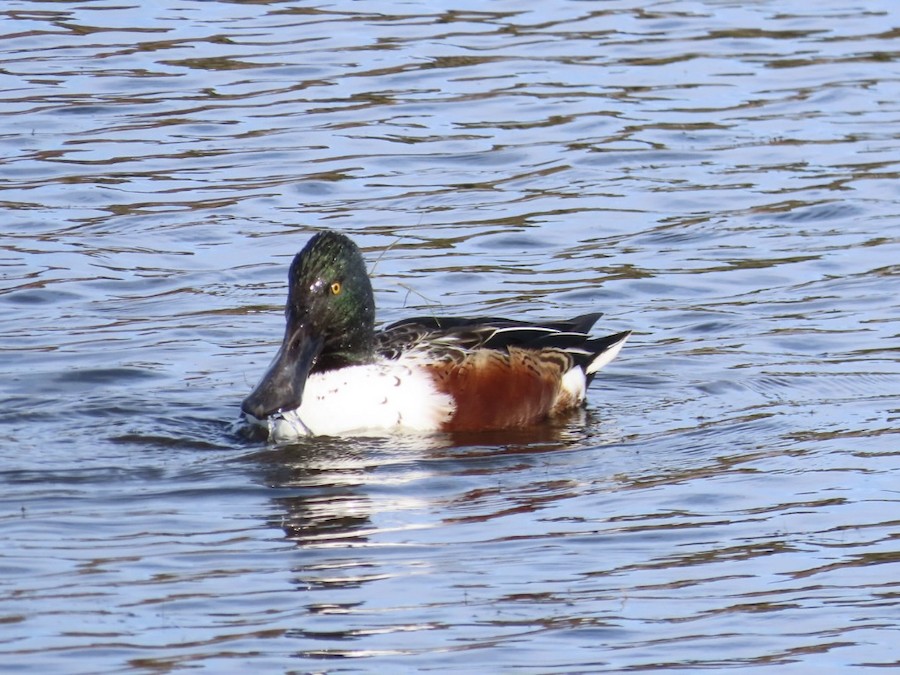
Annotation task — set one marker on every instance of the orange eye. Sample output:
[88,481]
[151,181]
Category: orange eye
[335,287]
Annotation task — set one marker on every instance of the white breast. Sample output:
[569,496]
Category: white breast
[380,397]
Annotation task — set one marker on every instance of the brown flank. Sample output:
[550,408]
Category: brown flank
[495,389]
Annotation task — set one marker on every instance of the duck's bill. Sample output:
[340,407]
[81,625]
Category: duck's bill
[281,388]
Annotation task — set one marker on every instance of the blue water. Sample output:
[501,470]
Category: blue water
[719,177]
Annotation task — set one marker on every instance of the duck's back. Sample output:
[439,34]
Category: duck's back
[502,373]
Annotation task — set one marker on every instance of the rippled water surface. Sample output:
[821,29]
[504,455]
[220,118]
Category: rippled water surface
[721,177]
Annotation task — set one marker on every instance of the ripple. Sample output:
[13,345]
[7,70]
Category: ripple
[718,178]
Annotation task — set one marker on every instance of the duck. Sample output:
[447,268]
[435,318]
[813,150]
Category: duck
[336,375]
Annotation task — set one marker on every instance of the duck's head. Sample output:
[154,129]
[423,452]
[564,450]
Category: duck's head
[330,316]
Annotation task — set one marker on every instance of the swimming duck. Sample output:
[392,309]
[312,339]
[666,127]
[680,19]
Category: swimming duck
[335,374]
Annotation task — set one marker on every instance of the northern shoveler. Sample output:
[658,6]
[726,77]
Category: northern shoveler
[335,374]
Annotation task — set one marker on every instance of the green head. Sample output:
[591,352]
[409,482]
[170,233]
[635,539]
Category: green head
[330,293]
[330,316]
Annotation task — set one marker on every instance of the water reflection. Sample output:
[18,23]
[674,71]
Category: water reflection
[322,485]
[320,491]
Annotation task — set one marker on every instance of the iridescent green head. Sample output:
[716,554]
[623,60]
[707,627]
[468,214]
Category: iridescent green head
[330,316]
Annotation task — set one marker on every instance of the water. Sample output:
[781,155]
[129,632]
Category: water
[719,177]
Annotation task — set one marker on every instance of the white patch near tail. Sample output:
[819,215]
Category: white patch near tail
[611,352]
[574,384]
[573,387]
[378,397]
